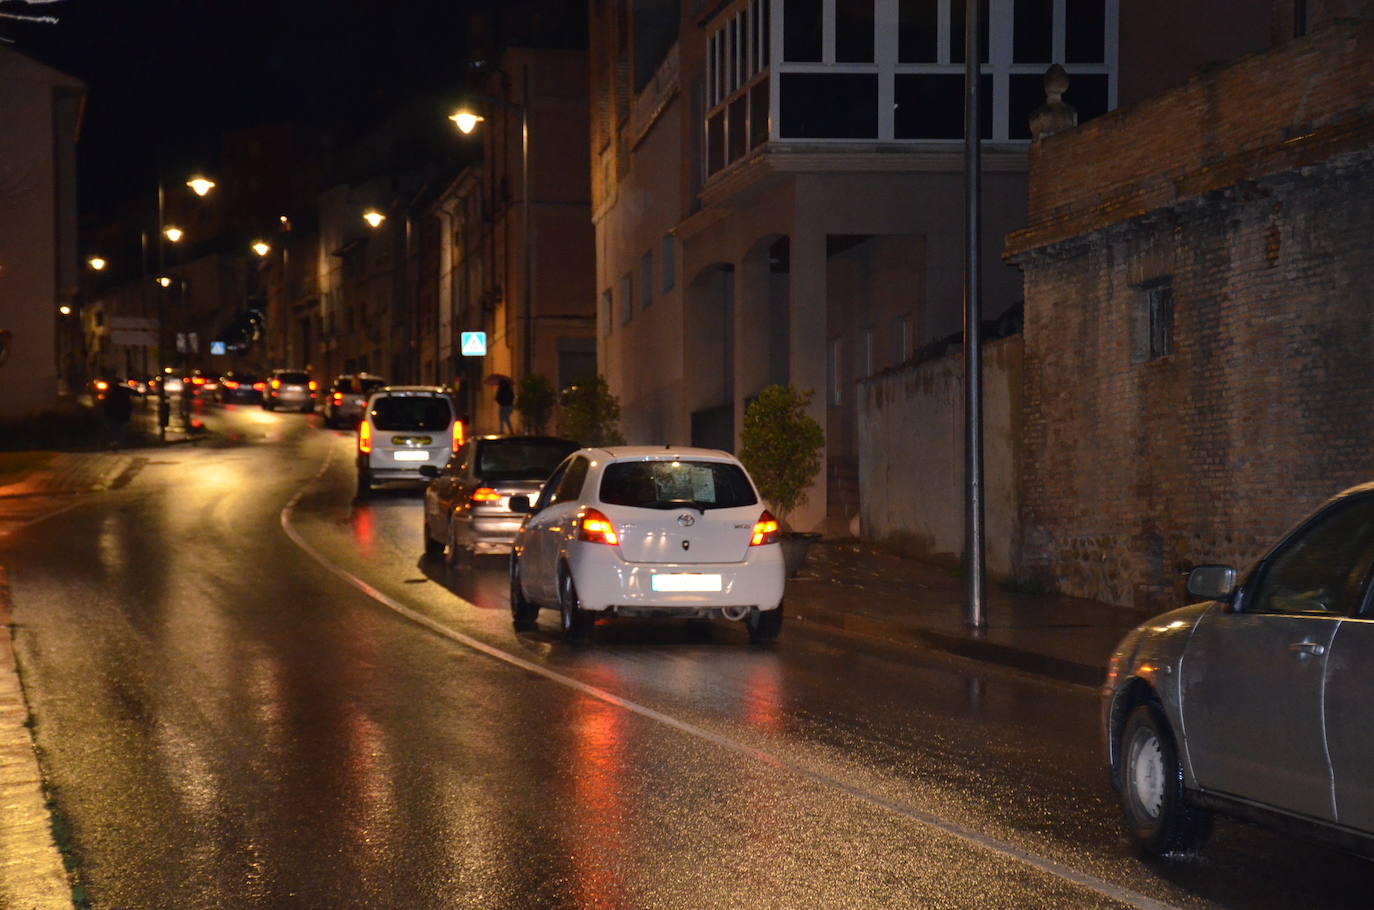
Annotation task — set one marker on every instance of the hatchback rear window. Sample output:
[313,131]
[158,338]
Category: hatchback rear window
[411,413]
[673,484]
[294,378]
[520,459]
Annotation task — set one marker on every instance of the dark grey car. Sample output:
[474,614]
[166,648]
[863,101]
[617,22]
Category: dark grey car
[1255,703]
[467,504]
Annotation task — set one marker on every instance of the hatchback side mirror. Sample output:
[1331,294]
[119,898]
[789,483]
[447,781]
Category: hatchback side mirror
[429,470]
[1212,582]
[520,503]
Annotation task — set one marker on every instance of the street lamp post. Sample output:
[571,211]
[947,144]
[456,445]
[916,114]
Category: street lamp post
[467,121]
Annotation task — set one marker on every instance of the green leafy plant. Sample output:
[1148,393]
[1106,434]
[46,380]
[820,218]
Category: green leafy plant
[534,400]
[781,446]
[590,414]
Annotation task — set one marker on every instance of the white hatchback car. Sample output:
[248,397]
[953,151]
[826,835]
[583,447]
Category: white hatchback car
[640,531]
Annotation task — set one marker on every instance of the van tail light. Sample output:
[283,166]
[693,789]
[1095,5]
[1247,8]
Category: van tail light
[457,434]
[338,397]
[594,527]
[485,494]
[765,530]
[364,437]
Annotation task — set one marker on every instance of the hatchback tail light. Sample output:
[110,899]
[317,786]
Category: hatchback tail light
[594,527]
[364,437]
[485,494]
[457,434]
[765,530]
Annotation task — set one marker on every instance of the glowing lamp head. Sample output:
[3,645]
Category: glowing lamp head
[373,218]
[64,310]
[165,281]
[200,186]
[96,263]
[261,248]
[173,234]
[466,121]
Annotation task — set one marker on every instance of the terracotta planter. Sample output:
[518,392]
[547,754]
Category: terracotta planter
[794,547]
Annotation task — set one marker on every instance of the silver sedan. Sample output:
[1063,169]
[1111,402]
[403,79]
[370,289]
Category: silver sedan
[1254,703]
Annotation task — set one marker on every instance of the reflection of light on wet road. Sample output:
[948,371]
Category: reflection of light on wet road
[363,531]
[597,772]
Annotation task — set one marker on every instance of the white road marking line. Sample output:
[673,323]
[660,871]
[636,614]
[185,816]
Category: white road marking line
[991,844]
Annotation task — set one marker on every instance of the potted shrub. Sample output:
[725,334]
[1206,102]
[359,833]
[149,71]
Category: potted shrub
[534,402]
[781,447]
[590,414]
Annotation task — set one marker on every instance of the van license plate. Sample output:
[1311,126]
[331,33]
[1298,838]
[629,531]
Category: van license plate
[412,455]
[686,581]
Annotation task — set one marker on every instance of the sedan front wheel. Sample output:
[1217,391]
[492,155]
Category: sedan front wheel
[1153,799]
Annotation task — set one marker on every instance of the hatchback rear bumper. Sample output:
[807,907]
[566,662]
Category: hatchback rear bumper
[605,581]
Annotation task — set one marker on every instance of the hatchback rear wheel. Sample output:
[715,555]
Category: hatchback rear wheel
[764,625]
[577,622]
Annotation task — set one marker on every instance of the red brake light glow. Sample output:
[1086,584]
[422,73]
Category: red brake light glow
[198,380]
[101,385]
[259,386]
[338,397]
[594,527]
[313,385]
[276,383]
[486,494]
[765,530]
[364,437]
[457,434]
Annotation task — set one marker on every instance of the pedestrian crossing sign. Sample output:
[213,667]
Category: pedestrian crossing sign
[474,344]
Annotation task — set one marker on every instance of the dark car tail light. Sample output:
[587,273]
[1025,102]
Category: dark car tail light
[338,397]
[230,383]
[364,437]
[276,383]
[259,386]
[485,494]
[594,527]
[765,530]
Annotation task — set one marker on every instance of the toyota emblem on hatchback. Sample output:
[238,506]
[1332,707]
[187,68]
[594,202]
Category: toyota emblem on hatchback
[686,545]
[686,520]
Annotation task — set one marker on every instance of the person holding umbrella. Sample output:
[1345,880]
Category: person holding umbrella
[505,400]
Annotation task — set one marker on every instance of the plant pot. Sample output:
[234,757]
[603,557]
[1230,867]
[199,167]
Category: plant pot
[794,547]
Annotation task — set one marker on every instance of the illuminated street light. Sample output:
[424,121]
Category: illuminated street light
[64,310]
[164,281]
[96,263]
[466,121]
[373,217]
[173,234]
[200,186]
[261,248]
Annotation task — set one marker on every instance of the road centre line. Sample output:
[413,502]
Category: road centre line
[991,844]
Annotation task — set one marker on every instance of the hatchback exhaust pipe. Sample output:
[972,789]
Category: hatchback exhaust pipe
[735,613]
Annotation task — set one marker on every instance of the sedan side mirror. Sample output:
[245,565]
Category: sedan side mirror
[521,505]
[429,470]
[1212,582]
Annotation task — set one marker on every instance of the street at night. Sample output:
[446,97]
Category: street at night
[251,691]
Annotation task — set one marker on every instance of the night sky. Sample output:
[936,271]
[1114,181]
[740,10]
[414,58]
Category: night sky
[166,78]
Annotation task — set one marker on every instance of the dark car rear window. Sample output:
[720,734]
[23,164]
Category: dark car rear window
[411,413]
[672,484]
[294,378]
[355,385]
[520,459]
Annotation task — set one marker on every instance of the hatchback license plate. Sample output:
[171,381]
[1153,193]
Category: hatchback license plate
[412,455]
[686,582]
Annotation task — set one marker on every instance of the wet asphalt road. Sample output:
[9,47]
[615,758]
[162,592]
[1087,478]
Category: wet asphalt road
[252,692]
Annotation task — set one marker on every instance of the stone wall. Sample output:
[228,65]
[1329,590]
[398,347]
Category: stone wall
[1252,200]
[911,456]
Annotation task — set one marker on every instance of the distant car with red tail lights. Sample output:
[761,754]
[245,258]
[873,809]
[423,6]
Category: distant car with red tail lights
[236,386]
[404,428]
[290,389]
[346,399]
[641,531]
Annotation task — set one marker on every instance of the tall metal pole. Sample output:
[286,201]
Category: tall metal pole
[163,409]
[525,247]
[973,363]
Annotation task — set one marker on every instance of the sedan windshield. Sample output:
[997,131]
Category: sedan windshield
[404,413]
[674,484]
[520,459]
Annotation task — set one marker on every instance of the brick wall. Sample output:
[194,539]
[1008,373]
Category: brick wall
[1136,469]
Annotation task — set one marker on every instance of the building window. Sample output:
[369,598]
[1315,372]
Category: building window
[667,262]
[627,298]
[646,278]
[901,336]
[607,312]
[833,368]
[1153,322]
